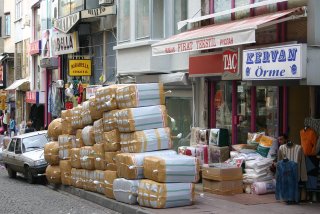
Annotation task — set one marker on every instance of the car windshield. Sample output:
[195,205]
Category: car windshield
[34,142]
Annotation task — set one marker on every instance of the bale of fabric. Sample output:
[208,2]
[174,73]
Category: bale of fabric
[55,129]
[109,177]
[65,145]
[140,95]
[112,141]
[110,157]
[99,157]
[77,176]
[126,191]
[67,127]
[76,120]
[165,195]
[170,169]
[66,114]
[98,131]
[87,157]
[99,181]
[143,118]
[51,153]
[111,167]
[146,140]
[75,158]
[53,174]
[130,165]
[79,142]
[65,169]
[110,120]
[88,136]
[86,114]
[106,98]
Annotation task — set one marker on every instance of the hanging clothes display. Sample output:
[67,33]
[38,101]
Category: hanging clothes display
[54,102]
[308,141]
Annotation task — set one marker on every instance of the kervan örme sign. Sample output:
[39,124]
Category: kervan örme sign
[272,63]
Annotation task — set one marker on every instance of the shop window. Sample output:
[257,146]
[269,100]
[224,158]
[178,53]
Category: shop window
[243,111]
[143,19]
[124,20]
[180,110]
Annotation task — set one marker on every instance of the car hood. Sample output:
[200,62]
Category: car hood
[35,155]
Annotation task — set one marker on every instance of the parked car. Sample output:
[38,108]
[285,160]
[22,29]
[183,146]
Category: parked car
[25,154]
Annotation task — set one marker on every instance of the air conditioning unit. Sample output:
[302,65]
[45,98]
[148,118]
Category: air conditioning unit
[106,2]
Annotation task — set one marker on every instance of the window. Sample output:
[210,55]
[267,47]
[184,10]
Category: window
[124,20]
[7,30]
[158,19]
[18,146]
[11,146]
[18,60]
[180,13]
[143,18]
[35,142]
[18,9]
[221,5]
[37,24]
[67,7]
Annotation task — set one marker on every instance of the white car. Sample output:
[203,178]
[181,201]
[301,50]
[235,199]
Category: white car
[25,154]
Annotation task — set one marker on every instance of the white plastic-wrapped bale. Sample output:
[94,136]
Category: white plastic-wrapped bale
[77,177]
[110,120]
[76,120]
[65,169]
[65,145]
[139,95]
[87,157]
[106,98]
[85,114]
[99,160]
[88,136]
[99,181]
[98,131]
[126,191]
[130,165]
[146,140]
[88,181]
[75,158]
[143,118]
[112,141]
[165,169]
[51,153]
[165,195]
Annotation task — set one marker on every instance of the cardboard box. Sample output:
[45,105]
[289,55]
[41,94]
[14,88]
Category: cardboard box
[223,187]
[221,174]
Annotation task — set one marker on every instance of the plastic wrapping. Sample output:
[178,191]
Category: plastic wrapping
[67,127]
[66,114]
[99,157]
[106,98]
[51,153]
[126,191]
[77,176]
[65,145]
[130,165]
[146,141]
[109,177]
[99,181]
[112,141]
[76,120]
[169,169]
[110,120]
[75,158]
[86,114]
[139,95]
[88,178]
[87,157]
[55,129]
[111,167]
[65,169]
[165,195]
[88,136]
[53,174]
[110,157]
[98,131]
[79,142]
[143,118]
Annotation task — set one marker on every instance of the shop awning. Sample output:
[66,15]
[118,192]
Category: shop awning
[233,33]
[21,84]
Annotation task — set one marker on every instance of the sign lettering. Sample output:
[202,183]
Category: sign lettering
[80,67]
[65,43]
[230,61]
[35,47]
[66,23]
[97,12]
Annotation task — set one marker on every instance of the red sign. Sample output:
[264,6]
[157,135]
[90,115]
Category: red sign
[31,97]
[35,47]
[230,61]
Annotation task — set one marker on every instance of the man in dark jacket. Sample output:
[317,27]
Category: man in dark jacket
[29,127]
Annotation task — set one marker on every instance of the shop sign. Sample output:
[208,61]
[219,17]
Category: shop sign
[80,67]
[31,97]
[46,42]
[49,62]
[65,43]
[1,75]
[279,62]
[35,47]
[66,23]
[101,11]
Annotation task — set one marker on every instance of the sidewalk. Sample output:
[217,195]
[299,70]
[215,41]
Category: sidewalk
[205,203]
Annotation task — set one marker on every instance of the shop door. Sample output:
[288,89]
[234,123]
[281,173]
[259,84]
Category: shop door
[243,112]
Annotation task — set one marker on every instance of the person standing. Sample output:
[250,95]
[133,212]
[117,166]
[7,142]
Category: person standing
[29,127]
[12,127]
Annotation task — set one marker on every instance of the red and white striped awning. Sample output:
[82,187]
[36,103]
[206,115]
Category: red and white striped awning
[233,33]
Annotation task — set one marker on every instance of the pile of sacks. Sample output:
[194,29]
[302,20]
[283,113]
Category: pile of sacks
[118,144]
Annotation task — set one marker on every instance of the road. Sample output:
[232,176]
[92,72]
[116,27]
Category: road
[17,196]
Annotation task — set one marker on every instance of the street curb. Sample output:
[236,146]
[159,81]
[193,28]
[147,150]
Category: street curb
[101,200]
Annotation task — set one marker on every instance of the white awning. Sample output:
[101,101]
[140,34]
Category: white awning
[233,33]
[21,84]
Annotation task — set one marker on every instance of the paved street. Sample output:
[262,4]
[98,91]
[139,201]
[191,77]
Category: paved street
[17,196]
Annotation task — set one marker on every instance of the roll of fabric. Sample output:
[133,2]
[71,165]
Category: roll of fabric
[109,177]
[65,169]
[126,191]
[99,157]
[98,131]
[88,136]
[53,174]
[51,153]
[106,98]
[87,157]
[75,158]
[110,120]
[65,145]
[55,129]
[112,141]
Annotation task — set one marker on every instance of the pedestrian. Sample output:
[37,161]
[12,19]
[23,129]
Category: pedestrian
[29,127]
[12,127]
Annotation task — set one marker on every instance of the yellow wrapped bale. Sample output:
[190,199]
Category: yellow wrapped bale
[110,120]
[65,168]
[165,195]
[51,153]
[79,142]
[99,161]
[66,114]
[111,167]
[88,136]
[53,174]
[87,157]
[65,145]
[88,180]
[146,140]
[67,127]
[98,131]
[98,181]
[76,120]
[139,95]
[85,114]
[165,169]
[109,177]
[93,107]
[106,98]
[110,157]
[77,177]
[75,158]
[55,129]
[112,141]
[143,118]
